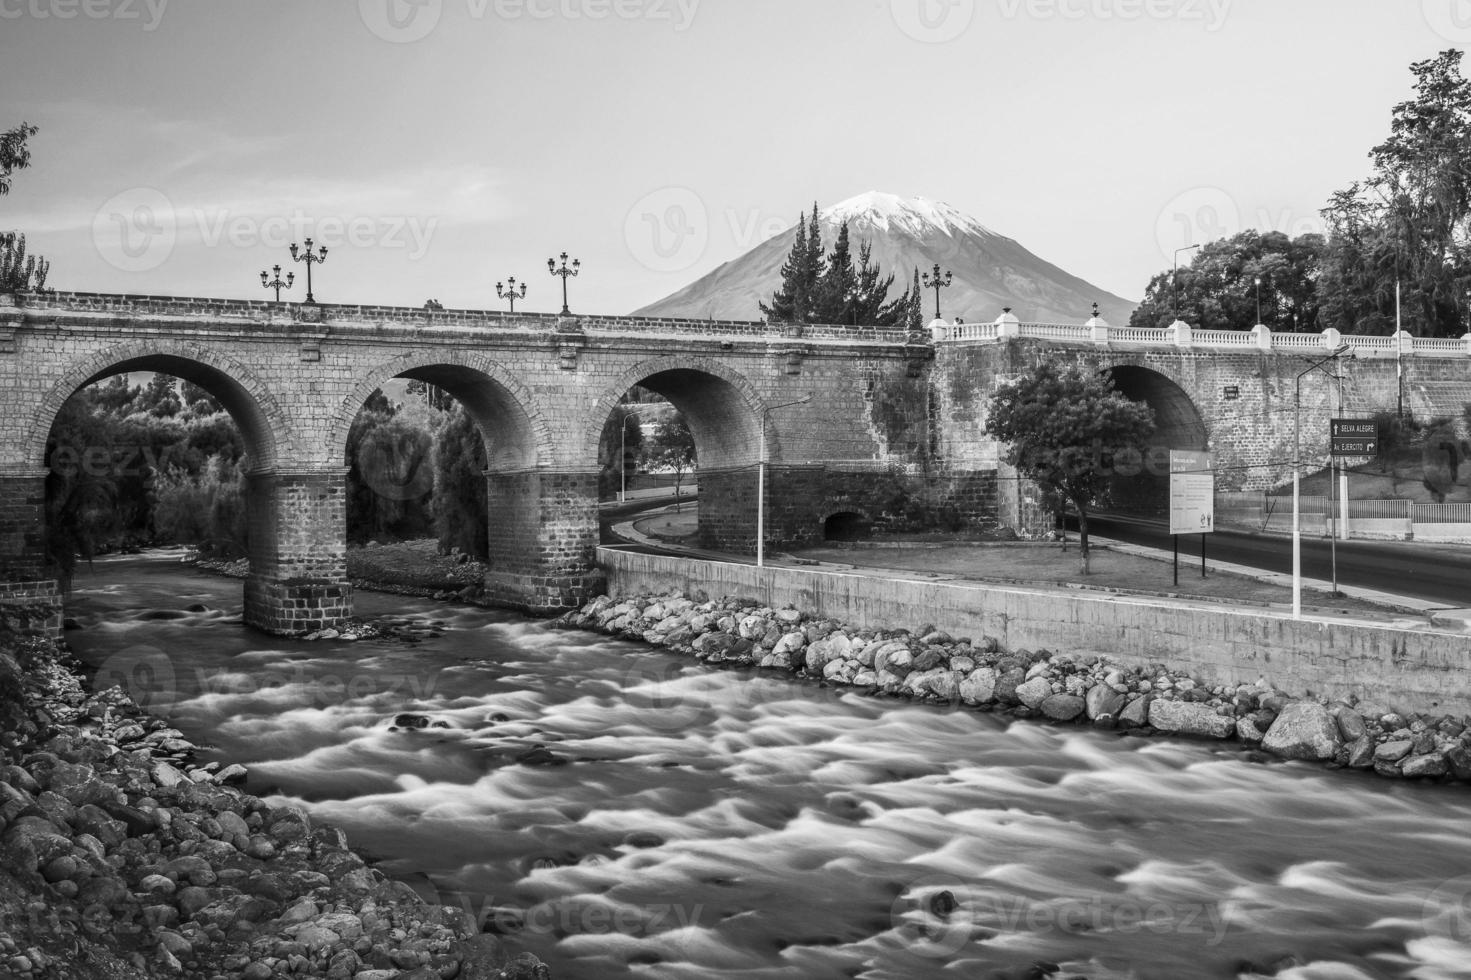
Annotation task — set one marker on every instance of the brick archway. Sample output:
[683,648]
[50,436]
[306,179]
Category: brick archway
[722,407]
[516,431]
[264,425]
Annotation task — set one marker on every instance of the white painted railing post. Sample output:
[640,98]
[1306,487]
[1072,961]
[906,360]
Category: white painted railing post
[1331,338]
[1404,343]
[1466,340]
[939,329]
[1007,325]
[1097,329]
[1180,333]
[1263,335]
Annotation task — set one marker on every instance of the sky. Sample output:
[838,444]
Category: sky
[438,147]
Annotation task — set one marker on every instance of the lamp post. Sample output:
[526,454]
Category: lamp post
[276,283]
[1175,277]
[623,454]
[510,294]
[1258,299]
[761,474]
[310,259]
[565,273]
[1336,353]
[936,284]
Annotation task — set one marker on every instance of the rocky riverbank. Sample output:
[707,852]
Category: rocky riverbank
[929,665]
[120,858]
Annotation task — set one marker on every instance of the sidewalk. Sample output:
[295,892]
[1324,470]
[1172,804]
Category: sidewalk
[1400,611]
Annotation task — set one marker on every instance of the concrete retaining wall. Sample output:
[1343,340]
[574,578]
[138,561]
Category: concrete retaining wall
[1453,533]
[1408,670]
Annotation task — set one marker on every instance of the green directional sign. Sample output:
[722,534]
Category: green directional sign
[1353,437]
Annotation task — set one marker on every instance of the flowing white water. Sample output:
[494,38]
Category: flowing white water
[785,830]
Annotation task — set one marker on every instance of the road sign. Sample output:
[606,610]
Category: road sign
[1353,437]
[1192,493]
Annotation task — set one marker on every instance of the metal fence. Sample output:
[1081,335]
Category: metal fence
[1256,507]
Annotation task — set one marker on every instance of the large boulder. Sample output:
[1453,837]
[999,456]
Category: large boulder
[1190,718]
[1063,707]
[1303,730]
[979,686]
[1033,692]
[1103,703]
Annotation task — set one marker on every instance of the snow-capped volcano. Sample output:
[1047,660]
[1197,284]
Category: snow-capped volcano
[990,270]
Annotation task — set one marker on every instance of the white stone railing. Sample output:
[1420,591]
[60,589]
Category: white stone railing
[1178,335]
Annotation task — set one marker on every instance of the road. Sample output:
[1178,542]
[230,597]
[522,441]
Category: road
[1440,573]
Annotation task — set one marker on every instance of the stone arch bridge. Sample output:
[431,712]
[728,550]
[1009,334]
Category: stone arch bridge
[894,430]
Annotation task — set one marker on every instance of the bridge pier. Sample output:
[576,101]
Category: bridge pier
[24,582]
[298,553]
[543,539]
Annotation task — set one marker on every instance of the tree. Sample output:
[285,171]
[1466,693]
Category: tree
[19,273]
[1059,425]
[673,447]
[460,507]
[837,290]
[1218,290]
[14,153]
[1410,221]
[792,303]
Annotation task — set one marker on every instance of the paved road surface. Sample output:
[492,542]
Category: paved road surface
[1439,573]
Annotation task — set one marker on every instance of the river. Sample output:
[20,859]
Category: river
[728,824]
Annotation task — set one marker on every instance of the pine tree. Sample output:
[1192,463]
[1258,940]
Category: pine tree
[914,319]
[837,290]
[789,303]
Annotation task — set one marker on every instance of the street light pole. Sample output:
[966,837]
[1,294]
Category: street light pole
[276,283]
[1175,277]
[565,273]
[936,283]
[310,259]
[510,294]
[1258,299]
[623,454]
[1338,352]
[761,477]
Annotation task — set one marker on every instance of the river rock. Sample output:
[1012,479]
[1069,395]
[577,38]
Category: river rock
[1303,730]
[1420,766]
[1247,730]
[1033,692]
[979,686]
[1393,751]
[1458,760]
[1103,704]
[1135,714]
[1351,726]
[1006,685]
[1190,718]
[1361,753]
[1063,707]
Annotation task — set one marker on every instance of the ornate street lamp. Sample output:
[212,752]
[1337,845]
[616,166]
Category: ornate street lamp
[1334,355]
[276,283]
[310,259]
[623,454]
[510,294]
[564,272]
[936,283]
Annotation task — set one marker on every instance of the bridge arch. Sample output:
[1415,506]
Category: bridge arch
[721,406]
[264,425]
[516,432]
[1178,423]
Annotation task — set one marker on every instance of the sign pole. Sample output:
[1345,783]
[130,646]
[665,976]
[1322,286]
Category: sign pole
[1176,538]
[1202,555]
